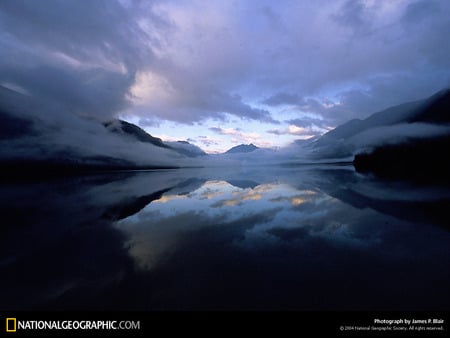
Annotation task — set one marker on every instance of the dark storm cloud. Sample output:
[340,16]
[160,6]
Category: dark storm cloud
[282,98]
[216,130]
[307,122]
[210,103]
[353,14]
[277,132]
[81,54]
[188,61]
[382,92]
[95,92]
[420,10]
[380,54]
[81,30]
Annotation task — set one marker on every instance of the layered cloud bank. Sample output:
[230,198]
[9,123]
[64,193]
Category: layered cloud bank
[39,132]
[272,72]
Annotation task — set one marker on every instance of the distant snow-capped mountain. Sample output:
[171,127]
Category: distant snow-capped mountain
[242,148]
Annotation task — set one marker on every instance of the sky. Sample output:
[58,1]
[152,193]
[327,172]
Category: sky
[222,73]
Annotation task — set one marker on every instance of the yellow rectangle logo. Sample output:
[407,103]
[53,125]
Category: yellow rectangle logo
[11,324]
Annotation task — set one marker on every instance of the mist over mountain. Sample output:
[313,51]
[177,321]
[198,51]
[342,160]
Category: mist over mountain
[40,133]
[185,148]
[133,132]
[409,141]
[421,119]
[431,110]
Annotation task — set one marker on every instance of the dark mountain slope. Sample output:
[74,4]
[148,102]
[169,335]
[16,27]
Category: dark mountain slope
[431,110]
[242,148]
[128,129]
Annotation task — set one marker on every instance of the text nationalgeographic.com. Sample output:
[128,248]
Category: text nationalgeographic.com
[13,325]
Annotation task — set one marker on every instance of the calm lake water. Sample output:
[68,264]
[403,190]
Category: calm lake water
[301,238]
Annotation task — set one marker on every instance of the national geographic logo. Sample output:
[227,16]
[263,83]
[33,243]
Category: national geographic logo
[11,324]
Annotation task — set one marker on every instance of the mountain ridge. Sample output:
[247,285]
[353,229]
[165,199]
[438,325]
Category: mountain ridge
[415,111]
[242,148]
[420,118]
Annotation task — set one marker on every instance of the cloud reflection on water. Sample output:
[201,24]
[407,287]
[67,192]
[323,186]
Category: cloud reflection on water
[282,210]
[288,238]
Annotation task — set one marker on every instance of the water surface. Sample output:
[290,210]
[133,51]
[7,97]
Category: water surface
[301,238]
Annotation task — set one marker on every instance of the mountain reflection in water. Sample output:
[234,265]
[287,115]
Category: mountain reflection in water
[306,238]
